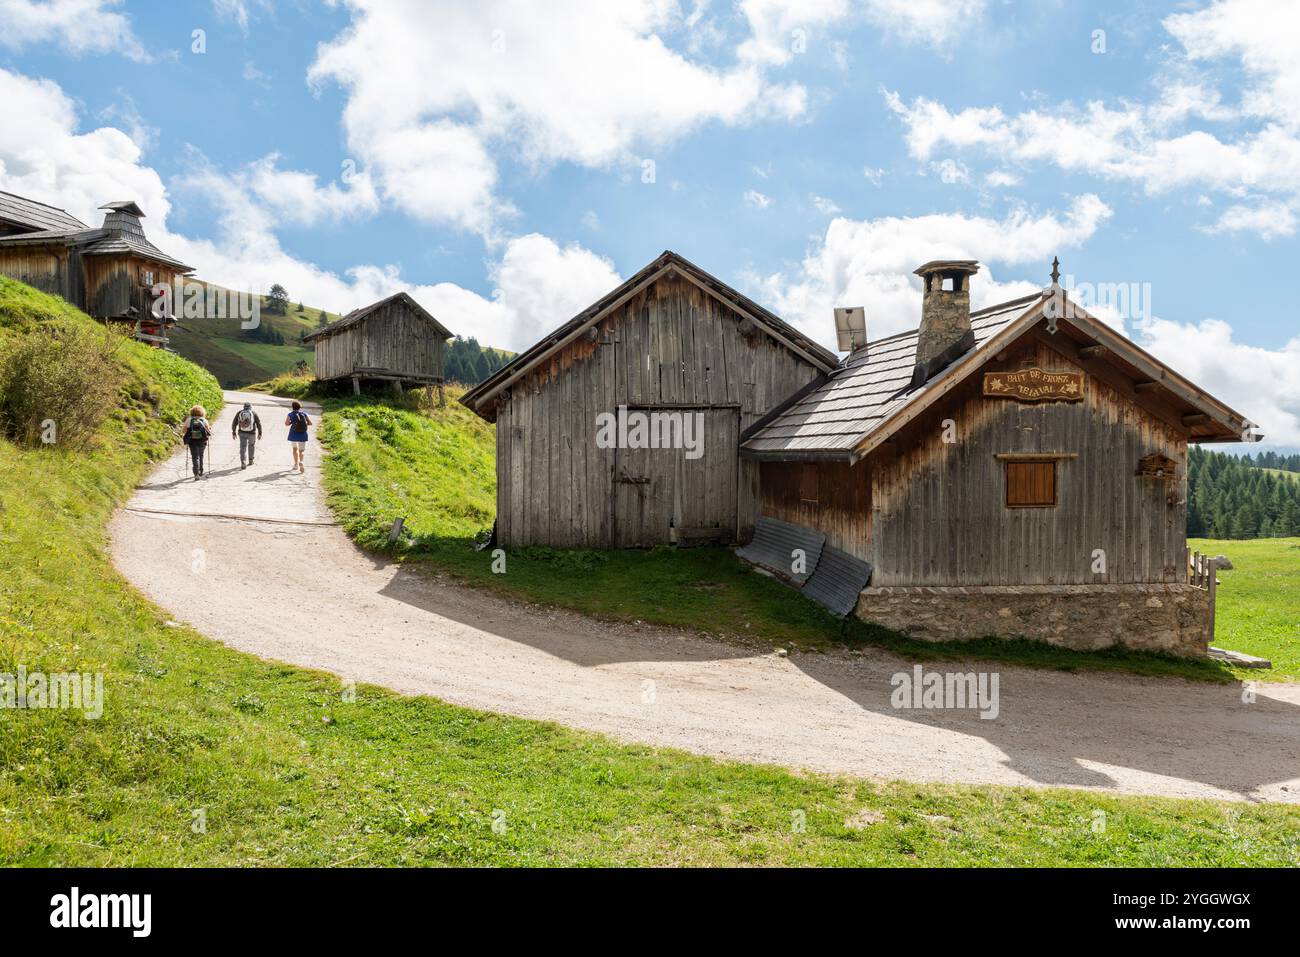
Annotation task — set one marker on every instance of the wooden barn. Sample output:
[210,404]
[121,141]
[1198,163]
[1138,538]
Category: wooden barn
[393,340]
[622,427]
[1020,470]
[108,272]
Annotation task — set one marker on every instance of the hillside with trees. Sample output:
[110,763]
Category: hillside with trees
[1231,496]
[469,363]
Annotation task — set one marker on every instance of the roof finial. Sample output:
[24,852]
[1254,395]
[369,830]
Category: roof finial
[1056,271]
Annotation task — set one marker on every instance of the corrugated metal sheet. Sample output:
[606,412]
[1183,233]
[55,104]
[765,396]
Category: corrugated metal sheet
[773,547]
[837,581]
[867,388]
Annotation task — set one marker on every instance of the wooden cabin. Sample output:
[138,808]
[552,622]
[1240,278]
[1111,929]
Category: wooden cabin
[109,272]
[394,340]
[674,351]
[1016,471]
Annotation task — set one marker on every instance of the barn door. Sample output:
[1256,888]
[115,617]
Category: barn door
[662,496]
[706,487]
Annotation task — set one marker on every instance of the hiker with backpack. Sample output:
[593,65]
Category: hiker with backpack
[298,421]
[247,427]
[196,435]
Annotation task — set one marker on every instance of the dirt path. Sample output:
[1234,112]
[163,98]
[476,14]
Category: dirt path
[374,622]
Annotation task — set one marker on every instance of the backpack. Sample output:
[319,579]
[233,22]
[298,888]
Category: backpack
[299,421]
[197,432]
[245,420]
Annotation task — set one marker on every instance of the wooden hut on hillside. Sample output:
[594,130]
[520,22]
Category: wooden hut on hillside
[393,340]
[108,273]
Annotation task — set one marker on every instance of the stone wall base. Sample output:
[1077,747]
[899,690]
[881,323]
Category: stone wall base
[1173,618]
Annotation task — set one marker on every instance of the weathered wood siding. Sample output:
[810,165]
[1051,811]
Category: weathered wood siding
[40,267]
[101,286]
[115,284]
[939,513]
[394,340]
[832,497]
[673,347]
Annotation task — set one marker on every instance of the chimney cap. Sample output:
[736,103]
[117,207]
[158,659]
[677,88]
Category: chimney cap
[967,266]
[124,206]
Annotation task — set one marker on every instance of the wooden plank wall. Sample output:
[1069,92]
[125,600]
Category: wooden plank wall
[42,268]
[939,514]
[672,345]
[394,340]
[833,497]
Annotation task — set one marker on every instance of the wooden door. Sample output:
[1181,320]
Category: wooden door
[661,495]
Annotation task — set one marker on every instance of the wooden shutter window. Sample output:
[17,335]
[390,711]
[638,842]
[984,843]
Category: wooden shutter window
[1031,484]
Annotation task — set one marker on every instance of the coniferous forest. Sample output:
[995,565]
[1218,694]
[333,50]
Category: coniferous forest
[469,363]
[1247,496]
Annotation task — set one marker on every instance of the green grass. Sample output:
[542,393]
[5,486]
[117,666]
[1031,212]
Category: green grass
[284,769]
[1259,601]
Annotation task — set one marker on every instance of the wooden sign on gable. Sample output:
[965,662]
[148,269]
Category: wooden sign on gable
[1035,385]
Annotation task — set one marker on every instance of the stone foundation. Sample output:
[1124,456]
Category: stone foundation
[1173,618]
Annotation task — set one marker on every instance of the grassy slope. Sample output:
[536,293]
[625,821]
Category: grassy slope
[436,470]
[1259,600]
[190,726]
[216,344]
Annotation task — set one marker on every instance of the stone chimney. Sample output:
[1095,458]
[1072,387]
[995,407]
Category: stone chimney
[945,332]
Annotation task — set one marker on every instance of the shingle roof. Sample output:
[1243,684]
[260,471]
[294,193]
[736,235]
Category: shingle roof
[130,244]
[120,235]
[868,387]
[358,315]
[37,216]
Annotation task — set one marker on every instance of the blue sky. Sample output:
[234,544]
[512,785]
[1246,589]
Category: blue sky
[811,153]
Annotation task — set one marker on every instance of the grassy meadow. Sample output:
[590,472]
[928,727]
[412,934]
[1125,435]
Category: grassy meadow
[1259,601]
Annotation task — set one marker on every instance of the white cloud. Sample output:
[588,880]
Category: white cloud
[1262,34]
[827,207]
[783,29]
[756,199]
[951,171]
[1000,177]
[436,91]
[285,196]
[540,285]
[870,263]
[1261,384]
[1164,145]
[240,12]
[1268,220]
[76,26]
